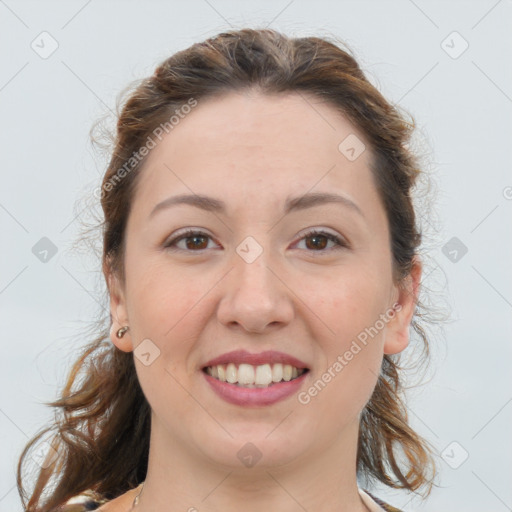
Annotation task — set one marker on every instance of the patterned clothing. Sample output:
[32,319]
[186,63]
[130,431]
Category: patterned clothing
[377,505]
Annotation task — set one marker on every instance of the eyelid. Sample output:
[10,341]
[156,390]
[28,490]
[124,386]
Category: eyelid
[170,242]
[340,241]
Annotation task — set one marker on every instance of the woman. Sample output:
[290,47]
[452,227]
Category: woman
[261,257]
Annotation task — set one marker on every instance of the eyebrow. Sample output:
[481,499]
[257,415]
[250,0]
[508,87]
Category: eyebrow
[212,204]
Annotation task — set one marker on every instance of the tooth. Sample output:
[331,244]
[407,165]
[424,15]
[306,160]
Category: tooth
[250,376]
[231,373]
[277,372]
[263,375]
[246,374]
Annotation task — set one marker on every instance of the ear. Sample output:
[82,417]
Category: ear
[118,312]
[397,331]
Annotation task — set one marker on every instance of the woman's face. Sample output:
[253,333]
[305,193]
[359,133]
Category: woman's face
[253,278]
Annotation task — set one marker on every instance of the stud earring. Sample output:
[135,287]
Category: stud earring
[120,332]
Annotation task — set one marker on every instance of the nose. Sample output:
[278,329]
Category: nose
[255,297]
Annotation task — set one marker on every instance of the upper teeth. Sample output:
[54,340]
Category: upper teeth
[250,376]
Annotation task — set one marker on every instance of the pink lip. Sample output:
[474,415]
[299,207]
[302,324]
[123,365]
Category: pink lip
[242,356]
[254,396]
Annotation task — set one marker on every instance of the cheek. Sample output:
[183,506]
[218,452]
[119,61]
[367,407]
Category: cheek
[170,309]
[166,303]
[163,300]
[351,307]
[349,303]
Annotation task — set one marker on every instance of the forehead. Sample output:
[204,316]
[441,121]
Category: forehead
[253,150]
[277,125]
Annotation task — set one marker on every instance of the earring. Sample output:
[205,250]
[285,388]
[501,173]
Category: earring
[120,332]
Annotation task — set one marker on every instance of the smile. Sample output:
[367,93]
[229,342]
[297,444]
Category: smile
[252,376]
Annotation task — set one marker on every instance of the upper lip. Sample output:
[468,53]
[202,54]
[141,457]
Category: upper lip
[268,356]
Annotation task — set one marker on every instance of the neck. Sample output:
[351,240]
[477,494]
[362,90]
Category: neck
[323,479]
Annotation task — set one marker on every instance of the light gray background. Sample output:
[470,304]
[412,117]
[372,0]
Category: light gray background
[463,110]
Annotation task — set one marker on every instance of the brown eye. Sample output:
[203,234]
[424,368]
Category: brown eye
[194,241]
[317,241]
[197,242]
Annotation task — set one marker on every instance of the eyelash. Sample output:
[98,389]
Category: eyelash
[340,242]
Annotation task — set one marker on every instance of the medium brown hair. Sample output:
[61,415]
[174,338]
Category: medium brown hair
[102,426]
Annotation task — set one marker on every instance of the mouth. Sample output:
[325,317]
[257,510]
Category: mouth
[254,376]
[248,379]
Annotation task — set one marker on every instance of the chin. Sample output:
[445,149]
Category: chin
[254,448]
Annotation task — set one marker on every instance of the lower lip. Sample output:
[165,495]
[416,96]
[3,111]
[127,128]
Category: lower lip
[254,396]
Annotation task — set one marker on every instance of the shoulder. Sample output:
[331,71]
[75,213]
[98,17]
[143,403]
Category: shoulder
[82,503]
[375,504]
[88,500]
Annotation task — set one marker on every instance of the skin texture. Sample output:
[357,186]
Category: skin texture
[253,151]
